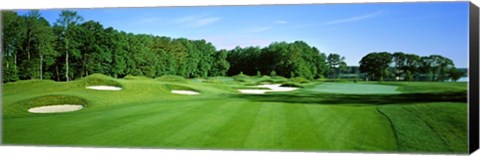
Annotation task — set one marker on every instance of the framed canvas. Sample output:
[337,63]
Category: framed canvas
[378,77]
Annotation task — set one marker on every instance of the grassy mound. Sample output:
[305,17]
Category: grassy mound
[217,81]
[268,79]
[300,80]
[241,78]
[99,80]
[131,77]
[179,87]
[257,80]
[171,78]
[21,108]
[291,84]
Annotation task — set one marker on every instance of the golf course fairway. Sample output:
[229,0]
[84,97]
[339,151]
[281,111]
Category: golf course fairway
[411,117]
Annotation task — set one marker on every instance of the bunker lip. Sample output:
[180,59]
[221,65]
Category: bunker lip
[113,88]
[185,92]
[56,108]
[272,87]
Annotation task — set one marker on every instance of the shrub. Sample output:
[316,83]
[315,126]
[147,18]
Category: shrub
[273,73]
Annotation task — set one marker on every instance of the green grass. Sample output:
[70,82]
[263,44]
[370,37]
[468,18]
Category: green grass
[432,127]
[145,114]
[355,88]
[172,78]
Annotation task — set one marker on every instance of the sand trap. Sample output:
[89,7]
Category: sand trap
[185,92]
[55,108]
[104,88]
[278,88]
[272,87]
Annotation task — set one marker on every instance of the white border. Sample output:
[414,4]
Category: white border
[49,4]
[78,151]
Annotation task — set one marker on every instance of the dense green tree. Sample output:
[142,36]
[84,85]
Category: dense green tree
[286,59]
[399,62]
[93,49]
[411,67]
[376,64]
[45,46]
[118,52]
[334,62]
[12,35]
[220,63]
[454,74]
[436,67]
[68,21]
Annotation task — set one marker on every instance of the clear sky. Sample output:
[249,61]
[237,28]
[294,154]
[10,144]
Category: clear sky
[351,30]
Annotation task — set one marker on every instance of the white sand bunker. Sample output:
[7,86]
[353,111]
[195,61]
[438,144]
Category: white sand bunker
[104,88]
[272,87]
[55,108]
[185,92]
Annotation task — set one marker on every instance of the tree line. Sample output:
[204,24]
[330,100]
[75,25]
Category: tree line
[296,59]
[72,48]
[409,67]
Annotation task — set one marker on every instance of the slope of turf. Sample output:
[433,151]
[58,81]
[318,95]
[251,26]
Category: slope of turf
[438,127]
[146,114]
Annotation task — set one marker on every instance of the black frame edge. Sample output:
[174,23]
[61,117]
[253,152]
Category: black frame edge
[473,73]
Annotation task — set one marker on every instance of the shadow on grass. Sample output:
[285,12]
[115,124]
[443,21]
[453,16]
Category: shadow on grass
[360,99]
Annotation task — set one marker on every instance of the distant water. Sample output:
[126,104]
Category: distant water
[463,79]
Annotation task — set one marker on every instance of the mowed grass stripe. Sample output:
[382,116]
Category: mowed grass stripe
[233,133]
[269,128]
[351,127]
[152,130]
[202,129]
[436,127]
[302,133]
[449,133]
[88,128]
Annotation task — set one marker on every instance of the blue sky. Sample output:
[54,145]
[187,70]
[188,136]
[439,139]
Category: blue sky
[351,30]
